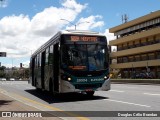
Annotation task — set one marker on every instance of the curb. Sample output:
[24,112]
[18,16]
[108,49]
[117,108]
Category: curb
[145,81]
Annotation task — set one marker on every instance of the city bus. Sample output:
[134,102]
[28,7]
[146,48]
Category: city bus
[72,61]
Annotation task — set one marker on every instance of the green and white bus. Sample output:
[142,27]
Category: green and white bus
[72,61]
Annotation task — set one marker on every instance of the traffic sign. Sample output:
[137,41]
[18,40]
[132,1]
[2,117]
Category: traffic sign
[3,54]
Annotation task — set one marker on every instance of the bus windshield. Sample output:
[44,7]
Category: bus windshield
[84,57]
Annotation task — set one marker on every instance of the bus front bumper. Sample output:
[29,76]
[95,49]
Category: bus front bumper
[105,86]
[68,87]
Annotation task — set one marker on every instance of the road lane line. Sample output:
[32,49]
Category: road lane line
[2,91]
[153,94]
[53,108]
[16,96]
[116,91]
[127,103]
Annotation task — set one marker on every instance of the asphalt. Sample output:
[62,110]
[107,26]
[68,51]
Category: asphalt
[8,104]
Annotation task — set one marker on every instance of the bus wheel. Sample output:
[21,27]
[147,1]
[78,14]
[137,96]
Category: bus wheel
[90,93]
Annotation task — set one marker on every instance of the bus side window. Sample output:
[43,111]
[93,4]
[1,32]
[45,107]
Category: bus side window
[35,62]
[40,55]
[38,65]
[47,56]
[50,58]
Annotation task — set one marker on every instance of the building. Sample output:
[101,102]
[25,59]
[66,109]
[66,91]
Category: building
[138,47]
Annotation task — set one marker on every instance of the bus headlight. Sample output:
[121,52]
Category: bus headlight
[105,77]
[69,79]
[65,77]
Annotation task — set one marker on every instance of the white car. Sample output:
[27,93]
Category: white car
[12,79]
[3,79]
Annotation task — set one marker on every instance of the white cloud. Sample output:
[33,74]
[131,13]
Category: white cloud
[110,36]
[47,22]
[14,25]
[21,35]
[72,4]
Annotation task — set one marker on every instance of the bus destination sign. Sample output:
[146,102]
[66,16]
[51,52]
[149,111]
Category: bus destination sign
[84,38]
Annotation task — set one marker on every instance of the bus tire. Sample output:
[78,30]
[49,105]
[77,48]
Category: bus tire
[90,93]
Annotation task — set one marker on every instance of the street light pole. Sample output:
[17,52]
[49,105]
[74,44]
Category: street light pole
[69,22]
[75,25]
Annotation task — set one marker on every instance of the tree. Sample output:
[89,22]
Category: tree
[2,71]
[2,74]
[2,68]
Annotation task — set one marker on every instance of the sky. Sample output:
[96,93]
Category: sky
[26,24]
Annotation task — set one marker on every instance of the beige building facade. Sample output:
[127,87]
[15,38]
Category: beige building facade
[138,47]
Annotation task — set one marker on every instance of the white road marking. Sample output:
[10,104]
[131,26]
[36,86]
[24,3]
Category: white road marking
[152,94]
[130,87]
[29,87]
[127,103]
[116,91]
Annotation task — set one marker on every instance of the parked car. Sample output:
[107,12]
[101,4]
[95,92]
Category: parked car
[145,75]
[3,79]
[12,79]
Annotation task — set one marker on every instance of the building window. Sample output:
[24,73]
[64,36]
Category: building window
[150,41]
[126,73]
[144,57]
[158,54]
[157,40]
[130,45]
[137,43]
[119,60]
[119,47]
[143,42]
[125,59]
[158,73]
[140,27]
[124,46]
[137,58]
[151,56]
[131,58]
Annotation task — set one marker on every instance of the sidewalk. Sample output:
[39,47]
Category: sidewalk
[9,104]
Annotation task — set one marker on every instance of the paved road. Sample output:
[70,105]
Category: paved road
[121,97]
